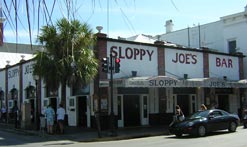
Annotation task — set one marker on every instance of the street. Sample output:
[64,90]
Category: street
[216,139]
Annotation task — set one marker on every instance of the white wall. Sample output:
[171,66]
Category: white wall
[28,79]
[2,80]
[220,65]
[180,62]
[153,100]
[13,78]
[209,35]
[140,58]
[215,35]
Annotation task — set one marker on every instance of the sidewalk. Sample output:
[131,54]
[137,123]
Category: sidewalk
[90,135]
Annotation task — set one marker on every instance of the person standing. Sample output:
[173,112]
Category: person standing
[50,115]
[203,107]
[179,113]
[3,113]
[15,110]
[60,118]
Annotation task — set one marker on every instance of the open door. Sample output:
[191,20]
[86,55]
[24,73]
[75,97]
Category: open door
[72,117]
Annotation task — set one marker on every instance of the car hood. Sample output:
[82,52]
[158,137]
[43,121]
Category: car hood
[188,122]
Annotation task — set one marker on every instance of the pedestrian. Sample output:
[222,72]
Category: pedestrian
[15,110]
[179,113]
[203,107]
[3,113]
[60,118]
[50,115]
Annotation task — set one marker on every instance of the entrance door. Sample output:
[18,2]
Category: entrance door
[71,103]
[32,110]
[53,102]
[144,110]
[223,102]
[183,101]
[131,110]
[82,111]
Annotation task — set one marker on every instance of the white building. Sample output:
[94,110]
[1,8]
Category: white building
[226,35]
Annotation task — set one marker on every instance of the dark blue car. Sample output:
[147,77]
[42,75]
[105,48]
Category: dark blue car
[203,122]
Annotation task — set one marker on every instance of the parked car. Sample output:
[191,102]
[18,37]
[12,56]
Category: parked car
[206,121]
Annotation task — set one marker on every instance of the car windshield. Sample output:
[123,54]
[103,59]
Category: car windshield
[199,114]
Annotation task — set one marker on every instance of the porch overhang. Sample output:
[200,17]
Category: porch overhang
[165,81]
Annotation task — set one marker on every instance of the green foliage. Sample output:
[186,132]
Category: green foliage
[67,43]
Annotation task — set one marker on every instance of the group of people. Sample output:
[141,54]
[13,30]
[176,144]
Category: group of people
[50,118]
[179,115]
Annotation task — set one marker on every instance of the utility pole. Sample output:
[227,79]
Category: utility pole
[112,116]
[111,66]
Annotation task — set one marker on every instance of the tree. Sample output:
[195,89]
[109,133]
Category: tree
[68,58]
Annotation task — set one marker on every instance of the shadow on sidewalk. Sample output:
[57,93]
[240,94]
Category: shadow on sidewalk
[89,135]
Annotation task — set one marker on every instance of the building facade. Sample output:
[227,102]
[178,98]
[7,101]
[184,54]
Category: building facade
[153,78]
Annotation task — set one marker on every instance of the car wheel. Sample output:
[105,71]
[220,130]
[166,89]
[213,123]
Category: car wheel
[201,131]
[178,134]
[232,127]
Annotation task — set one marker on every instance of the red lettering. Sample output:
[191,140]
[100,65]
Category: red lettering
[128,53]
[131,53]
[120,53]
[113,51]
[218,62]
[185,58]
[136,52]
[224,62]
[194,60]
[142,53]
[230,63]
[181,58]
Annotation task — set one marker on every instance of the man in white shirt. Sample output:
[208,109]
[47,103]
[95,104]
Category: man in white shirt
[60,118]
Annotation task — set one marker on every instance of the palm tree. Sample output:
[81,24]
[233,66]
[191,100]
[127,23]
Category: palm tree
[68,58]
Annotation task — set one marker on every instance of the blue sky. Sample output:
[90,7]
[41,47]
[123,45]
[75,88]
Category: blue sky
[127,18]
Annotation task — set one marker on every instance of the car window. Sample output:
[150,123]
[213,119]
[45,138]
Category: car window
[216,114]
[199,114]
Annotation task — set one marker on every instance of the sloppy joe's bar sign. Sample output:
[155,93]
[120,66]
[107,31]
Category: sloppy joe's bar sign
[131,53]
[134,57]
[182,62]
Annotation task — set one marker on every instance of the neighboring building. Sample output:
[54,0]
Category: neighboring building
[226,35]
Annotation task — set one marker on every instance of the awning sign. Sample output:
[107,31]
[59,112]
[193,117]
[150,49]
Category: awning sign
[164,81]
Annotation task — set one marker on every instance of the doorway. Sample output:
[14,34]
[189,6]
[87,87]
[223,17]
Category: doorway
[223,102]
[131,105]
[82,111]
[184,102]
[32,110]
[53,103]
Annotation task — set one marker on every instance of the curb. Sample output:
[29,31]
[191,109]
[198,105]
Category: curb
[104,137]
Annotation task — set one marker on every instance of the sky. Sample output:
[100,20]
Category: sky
[122,18]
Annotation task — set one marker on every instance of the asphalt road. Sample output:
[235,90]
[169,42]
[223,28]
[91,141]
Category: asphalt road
[216,139]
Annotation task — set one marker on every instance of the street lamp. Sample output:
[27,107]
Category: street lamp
[36,78]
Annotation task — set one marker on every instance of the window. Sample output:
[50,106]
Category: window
[232,45]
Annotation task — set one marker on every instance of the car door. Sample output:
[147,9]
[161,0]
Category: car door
[214,121]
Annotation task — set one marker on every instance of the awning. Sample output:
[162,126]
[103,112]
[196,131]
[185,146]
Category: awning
[166,81]
[156,81]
